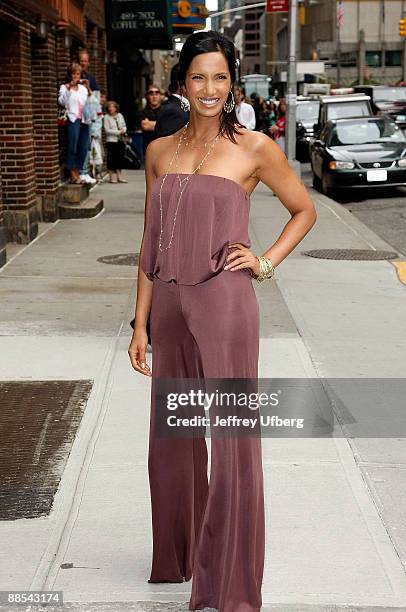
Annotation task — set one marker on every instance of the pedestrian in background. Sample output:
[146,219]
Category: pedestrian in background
[96,141]
[277,131]
[149,115]
[172,116]
[272,112]
[256,106]
[115,128]
[89,80]
[73,96]
[84,62]
[263,117]
[245,113]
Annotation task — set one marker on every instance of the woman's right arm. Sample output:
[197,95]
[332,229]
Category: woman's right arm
[139,340]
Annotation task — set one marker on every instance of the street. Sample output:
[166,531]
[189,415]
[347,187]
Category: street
[336,531]
[382,210]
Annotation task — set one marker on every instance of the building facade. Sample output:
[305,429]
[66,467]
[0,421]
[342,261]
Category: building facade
[366,46]
[39,38]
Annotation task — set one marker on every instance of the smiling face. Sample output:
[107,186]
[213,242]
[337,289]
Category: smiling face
[76,76]
[208,83]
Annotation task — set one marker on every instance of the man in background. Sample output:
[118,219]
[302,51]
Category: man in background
[245,112]
[89,79]
[84,62]
[171,116]
[149,115]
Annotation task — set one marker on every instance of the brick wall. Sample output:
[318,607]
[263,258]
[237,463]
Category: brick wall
[16,135]
[32,149]
[101,60]
[45,112]
[3,237]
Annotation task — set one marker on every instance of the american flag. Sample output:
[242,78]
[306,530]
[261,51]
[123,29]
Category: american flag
[340,13]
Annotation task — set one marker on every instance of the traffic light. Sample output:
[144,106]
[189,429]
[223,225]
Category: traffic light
[402,26]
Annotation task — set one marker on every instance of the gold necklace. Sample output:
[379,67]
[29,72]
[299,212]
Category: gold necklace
[182,185]
[188,143]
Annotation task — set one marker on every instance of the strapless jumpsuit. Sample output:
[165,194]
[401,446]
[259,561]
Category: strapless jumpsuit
[204,323]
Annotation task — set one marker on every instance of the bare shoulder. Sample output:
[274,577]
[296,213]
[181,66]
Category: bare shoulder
[158,149]
[259,152]
[257,143]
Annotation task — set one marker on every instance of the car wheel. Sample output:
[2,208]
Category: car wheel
[316,182]
[327,191]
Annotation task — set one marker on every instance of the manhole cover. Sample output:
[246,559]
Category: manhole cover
[359,254]
[38,424]
[122,259]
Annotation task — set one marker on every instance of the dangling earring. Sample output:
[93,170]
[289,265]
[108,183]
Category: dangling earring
[184,104]
[228,106]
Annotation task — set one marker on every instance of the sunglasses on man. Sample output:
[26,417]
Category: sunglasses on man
[153,92]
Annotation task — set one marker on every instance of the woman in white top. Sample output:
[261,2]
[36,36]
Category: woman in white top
[114,126]
[73,96]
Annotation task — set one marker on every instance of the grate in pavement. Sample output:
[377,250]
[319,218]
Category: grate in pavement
[354,254]
[122,259]
[38,423]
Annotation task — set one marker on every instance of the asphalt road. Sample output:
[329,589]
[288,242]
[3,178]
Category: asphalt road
[382,210]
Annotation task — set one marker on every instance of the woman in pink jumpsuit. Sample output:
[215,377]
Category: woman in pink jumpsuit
[204,320]
[196,332]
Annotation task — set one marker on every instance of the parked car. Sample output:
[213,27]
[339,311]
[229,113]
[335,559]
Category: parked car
[341,106]
[386,100]
[358,152]
[307,112]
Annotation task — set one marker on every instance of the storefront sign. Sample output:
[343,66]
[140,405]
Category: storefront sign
[148,22]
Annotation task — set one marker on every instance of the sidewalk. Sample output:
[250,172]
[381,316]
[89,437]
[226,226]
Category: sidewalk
[336,525]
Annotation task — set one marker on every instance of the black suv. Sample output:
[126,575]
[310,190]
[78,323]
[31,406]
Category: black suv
[341,107]
[387,100]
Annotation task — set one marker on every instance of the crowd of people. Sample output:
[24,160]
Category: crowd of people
[87,112]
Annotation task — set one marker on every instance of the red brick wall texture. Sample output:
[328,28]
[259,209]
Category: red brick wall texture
[31,147]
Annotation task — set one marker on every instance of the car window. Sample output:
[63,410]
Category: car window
[341,110]
[307,111]
[360,133]
[390,94]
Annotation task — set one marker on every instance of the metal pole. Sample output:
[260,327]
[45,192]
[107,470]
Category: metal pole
[338,58]
[403,47]
[291,84]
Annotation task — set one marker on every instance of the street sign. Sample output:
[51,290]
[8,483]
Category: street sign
[277,6]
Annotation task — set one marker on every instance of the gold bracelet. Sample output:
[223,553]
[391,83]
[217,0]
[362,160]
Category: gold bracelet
[266,268]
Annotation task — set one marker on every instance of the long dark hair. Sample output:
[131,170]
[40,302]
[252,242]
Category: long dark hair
[207,42]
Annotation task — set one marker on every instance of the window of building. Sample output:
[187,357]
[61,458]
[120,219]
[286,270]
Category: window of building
[393,58]
[373,58]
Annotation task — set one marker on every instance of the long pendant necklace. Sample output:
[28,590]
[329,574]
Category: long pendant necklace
[182,184]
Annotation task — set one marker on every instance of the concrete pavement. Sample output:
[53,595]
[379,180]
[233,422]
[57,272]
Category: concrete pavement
[336,524]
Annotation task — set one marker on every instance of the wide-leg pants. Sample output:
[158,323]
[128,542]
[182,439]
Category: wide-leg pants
[213,530]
